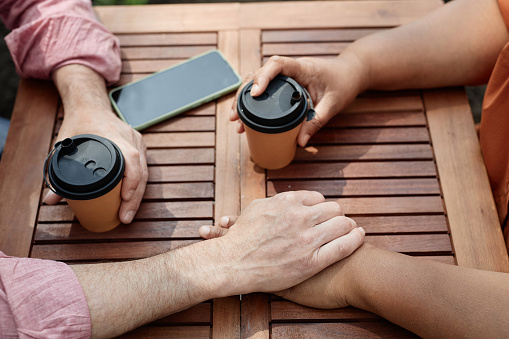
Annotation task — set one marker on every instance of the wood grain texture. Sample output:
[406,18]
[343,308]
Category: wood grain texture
[366,187]
[170,18]
[164,230]
[467,195]
[255,307]
[375,329]
[397,169]
[106,251]
[26,148]
[316,35]
[183,332]
[370,14]
[226,311]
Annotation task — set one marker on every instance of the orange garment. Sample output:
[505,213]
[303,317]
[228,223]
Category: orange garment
[494,131]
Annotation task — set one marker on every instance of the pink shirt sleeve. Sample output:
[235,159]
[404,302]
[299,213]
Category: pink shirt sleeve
[41,299]
[48,34]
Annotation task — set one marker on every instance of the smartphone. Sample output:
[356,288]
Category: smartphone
[164,94]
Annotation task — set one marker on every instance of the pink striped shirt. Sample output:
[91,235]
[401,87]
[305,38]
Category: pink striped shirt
[48,34]
[42,298]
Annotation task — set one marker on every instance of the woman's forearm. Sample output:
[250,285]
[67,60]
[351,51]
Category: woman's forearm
[429,298]
[456,45]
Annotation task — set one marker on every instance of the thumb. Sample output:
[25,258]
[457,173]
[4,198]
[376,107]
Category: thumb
[325,110]
[51,198]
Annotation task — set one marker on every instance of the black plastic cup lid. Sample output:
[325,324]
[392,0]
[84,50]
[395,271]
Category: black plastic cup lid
[85,167]
[281,108]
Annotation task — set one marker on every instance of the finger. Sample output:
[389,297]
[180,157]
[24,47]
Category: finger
[227,221]
[330,230]
[211,232]
[51,198]
[324,211]
[325,110]
[240,127]
[233,114]
[274,66]
[340,248]
[131,200]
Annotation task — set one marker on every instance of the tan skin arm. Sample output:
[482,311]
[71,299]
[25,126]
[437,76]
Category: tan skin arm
[88,111]
[276,243]
[428,298]
[458,44]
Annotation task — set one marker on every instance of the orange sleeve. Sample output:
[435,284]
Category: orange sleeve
[504,9]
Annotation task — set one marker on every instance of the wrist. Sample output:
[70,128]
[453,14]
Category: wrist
[357,66]
[354,276]
[81,88]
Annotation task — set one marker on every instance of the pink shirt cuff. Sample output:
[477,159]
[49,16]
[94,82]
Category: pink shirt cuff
[51,34]
[41,299]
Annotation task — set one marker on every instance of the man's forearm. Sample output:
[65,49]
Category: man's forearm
[429,298]
[81,88]
[456,45]
[123,296]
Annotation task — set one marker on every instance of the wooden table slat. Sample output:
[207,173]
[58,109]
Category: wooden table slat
[179,139]
[371,187]
[168,39]
[392,205]
[364,152]
[180,156]
[147,210]
[180,173]
[106,251]
[386,169]
[182,332]
[316,35]
[364,329]
[137,230]
[370,135]
[304,48]
[163,52]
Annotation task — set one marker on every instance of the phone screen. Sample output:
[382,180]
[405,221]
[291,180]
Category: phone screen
[172,91]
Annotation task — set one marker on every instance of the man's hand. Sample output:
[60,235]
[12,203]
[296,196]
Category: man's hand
[88,111]
[281,241]
[332,84]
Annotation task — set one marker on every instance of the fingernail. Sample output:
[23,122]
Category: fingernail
[232,115]
[205,230]
[305,139]
[363,231]
[129,217]
[224,221]
[46,197]
[254,89]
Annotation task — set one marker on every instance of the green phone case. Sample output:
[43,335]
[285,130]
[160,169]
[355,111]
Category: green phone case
[181,109]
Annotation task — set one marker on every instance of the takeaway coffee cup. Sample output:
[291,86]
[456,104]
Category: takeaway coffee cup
[87,171]
[273,120]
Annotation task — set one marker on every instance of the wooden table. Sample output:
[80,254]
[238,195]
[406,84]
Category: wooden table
[406,165]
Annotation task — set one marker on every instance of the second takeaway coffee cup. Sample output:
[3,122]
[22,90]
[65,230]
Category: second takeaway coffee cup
[273,120]
[87,171]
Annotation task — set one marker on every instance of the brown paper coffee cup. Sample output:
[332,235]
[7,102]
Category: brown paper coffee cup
[272,151]
[99,214]
[87,170]
[272,120]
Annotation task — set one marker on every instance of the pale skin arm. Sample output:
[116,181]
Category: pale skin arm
[276,243]
[428,298]
[457,44]
[88,111]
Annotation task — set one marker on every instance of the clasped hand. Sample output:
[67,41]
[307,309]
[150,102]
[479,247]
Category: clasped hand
[281,241]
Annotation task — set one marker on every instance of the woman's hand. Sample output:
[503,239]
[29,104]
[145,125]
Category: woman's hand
[332,84]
